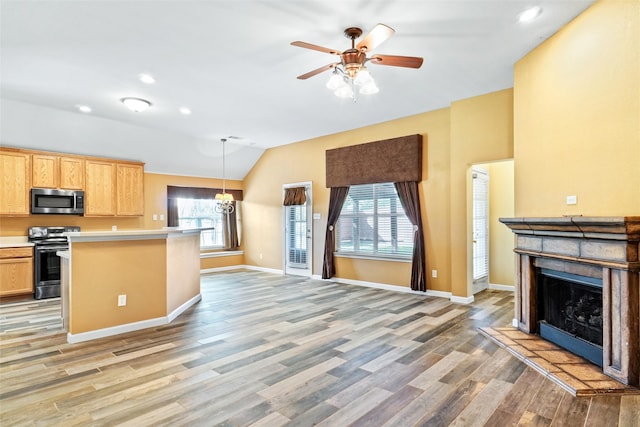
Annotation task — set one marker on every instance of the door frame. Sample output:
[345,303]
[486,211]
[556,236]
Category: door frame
[308,272]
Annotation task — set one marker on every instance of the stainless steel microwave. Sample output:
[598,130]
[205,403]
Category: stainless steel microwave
[57,202]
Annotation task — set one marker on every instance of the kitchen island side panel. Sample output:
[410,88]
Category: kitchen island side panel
[103,270]
[183,269]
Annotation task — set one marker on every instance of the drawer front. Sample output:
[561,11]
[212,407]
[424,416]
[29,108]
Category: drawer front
[24,252]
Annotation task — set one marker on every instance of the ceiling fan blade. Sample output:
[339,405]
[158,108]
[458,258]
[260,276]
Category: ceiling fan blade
[376,36]
[397,61]
[317,71]
[315,47]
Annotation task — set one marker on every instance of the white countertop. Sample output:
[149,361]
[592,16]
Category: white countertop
[107,235]
[14,242]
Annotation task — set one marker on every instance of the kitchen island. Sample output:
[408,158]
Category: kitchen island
[121,281]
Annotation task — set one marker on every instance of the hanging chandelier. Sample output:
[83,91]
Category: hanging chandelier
[224,199]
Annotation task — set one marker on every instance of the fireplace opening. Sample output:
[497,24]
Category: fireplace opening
[569,310]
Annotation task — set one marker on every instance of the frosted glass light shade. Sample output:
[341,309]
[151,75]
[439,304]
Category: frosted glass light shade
[136,105]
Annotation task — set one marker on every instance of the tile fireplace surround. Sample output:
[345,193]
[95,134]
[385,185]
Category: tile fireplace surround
[605,248]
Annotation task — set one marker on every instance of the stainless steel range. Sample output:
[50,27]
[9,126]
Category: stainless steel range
[46,264]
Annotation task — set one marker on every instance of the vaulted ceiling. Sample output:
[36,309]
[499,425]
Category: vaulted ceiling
[232,65]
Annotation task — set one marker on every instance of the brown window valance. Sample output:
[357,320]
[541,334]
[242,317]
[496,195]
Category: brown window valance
[174,192]
[389,160]
[294,196]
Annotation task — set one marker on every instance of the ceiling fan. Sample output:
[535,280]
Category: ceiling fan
[352,62]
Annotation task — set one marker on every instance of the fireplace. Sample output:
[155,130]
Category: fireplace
[570,312]
[577,285]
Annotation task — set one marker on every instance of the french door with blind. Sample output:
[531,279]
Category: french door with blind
[480,229]
[298,226]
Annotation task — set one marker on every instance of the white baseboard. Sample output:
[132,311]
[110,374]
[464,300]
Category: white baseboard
[462,300]
[178,311]
[240,267]
[499,287]
[131,327]
[115,330]
[394,288]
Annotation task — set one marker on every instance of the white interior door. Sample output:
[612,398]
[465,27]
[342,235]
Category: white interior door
[480,229]
[298,220]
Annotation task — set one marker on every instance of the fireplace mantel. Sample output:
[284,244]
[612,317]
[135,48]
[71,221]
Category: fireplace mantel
[605,248]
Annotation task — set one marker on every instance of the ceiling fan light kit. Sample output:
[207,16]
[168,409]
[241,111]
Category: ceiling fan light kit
[351,70]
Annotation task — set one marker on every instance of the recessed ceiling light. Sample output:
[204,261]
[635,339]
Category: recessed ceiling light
[136,105]
[185,111]
[83,108]
[530,14]
[147,78]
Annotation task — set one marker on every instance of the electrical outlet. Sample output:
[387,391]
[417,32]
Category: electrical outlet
[260,255]
[434,273]
[122,300]
[572,200]
[161,217]
[155,217]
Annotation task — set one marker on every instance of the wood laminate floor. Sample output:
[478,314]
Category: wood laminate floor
[269,350]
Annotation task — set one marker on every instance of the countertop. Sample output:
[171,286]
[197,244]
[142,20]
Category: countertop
[107,235]
[15,242]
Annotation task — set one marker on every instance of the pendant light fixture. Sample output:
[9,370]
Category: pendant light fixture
[224,199]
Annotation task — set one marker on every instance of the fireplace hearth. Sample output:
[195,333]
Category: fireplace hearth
[578,281]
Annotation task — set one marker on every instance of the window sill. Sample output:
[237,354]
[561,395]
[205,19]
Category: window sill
[376,257]
[220,253]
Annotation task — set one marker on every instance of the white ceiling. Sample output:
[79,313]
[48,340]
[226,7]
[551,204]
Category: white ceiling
[232,64]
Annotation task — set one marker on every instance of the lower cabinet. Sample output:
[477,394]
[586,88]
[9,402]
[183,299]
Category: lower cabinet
[16,271]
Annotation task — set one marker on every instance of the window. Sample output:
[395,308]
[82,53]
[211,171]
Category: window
[373,223]
[194,213]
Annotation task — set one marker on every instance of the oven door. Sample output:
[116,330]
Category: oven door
[47,271]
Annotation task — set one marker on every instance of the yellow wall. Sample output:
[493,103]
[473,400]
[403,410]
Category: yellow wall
[96,284]
[481,131]
[183,270]
[482,128]
[502,266]
[577,117]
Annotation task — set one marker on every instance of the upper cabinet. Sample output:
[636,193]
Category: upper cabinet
[45,171]
[114,188]
[130,189]
[100,193]
[111,187]
[72,173]
[15,173]
[63,172]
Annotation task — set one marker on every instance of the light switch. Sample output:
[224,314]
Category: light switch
[161,217]
[316,215]
[155,217]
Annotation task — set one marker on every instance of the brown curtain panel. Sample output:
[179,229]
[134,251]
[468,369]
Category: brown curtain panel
[230,229]
[294,196]
[172,213]
[410,199]
[336,199]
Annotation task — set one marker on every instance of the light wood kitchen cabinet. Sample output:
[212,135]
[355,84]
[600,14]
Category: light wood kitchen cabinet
[130,189]
[100,192]
[15,173]
[16,271]
[71,173]
[46,171]
[51,171]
